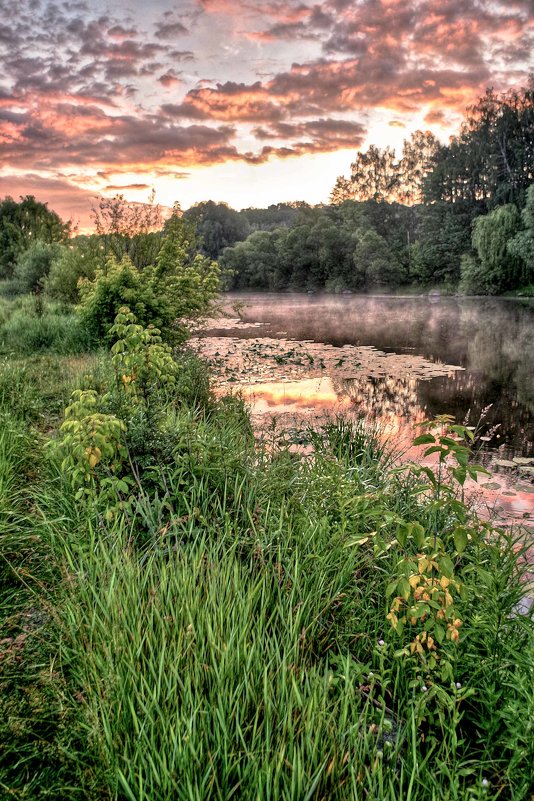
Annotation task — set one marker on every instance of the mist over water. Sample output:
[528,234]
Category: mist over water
[491,338]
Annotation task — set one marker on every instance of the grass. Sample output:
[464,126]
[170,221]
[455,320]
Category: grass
[32,325]
[220,637]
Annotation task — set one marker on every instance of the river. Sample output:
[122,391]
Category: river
[396,360]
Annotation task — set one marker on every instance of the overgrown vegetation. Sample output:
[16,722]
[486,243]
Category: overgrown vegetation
[189,614]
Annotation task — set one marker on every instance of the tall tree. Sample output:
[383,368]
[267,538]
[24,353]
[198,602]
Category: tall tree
[23,223]
[418,159]
[374,176]
[499,270]
[129,229]
[218,226]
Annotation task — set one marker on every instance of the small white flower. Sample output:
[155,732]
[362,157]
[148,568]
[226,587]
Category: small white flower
[485,783]
[424,688]
[458,685]
[371,675]
[381,642]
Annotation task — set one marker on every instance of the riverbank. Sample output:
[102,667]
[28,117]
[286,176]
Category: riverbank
[235,627]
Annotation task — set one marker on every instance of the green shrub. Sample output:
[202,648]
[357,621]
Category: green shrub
[78,260]
[178,288]
[33,266]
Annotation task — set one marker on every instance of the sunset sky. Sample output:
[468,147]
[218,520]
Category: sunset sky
[247,101]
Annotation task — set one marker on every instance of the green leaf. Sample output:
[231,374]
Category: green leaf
[439,633]
[404,588]
[402,534]
[460,539]
[390,589]
[418,534]
[433,449]
[460,475]
[450,443]
[446,566]
[424,439]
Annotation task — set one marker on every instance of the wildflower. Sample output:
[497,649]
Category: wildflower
[424,688]
[458,685]
[485,783]
[381,643]
[371,674]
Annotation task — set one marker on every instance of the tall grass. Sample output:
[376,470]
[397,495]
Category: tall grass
[221,638]
[237,653]
[30,325]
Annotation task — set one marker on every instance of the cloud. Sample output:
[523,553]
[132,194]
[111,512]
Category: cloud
[82,88]
[170,78]
[62,196]
[68,135]
[316,136]
[170,30]
[124,187]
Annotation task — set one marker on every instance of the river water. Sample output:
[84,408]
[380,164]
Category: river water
[396,360]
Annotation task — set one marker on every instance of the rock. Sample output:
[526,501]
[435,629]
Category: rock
[523,461]
[504,463]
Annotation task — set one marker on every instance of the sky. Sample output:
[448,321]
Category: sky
[250,102]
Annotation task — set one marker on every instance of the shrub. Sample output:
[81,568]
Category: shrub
[33,266]
[78,260]
[179,287]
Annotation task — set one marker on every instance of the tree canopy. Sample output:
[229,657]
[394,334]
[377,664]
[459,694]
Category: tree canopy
[23,223]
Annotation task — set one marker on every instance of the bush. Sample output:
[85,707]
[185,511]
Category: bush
[78,260]
[33,266]
[179,287]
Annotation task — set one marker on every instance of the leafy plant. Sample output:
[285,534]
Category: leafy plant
[177,288]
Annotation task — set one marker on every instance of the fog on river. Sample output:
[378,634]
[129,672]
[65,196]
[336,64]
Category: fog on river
[492,339]
[396,360]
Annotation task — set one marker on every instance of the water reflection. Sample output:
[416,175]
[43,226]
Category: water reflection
[392,360]
[394,404]
[491,338]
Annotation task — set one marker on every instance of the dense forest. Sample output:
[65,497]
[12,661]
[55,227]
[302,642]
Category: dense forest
[458,216]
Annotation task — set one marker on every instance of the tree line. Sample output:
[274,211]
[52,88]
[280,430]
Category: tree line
[459,215]
[456,215]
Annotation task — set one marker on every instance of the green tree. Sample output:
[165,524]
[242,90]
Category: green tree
[218,226]
[23,223]
[521,246]
[374,176]
[491,161]
[443,236]
[129,229]
[417,162]
[34,266]
[491,233]
[374,260]
[80,259]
